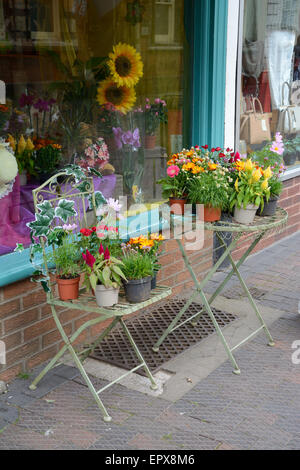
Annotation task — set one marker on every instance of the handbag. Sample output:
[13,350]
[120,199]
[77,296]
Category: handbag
[289,117]
[255,126]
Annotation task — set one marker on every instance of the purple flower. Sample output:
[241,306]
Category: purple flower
[132,138]
[26,100]
[118,136]
[42,105]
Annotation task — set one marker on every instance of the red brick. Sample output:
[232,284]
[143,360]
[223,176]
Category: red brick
[294,190]
[24,351]
[12,341]
[21,320]
[9,374]
[289,183]
[34,298]
[38,329]
[9,308]
[68,315]
[295,209]
[18,288]
[41,357]
[55,336]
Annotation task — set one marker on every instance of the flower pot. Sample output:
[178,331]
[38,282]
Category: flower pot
[177,205]
[218,247]
[23,178]
[245,216]
[212,214]
[138,290]
[106,297]
[153,281]
[290,158]
[150,141]
[68,289]
[269,207]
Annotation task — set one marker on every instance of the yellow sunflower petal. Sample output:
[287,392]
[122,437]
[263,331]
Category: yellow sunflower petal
[122,98]
[125,64]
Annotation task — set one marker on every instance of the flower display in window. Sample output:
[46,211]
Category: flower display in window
[96,155]
[125,65]
[121,97]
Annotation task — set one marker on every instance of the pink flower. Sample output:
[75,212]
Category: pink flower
[173,170]
[277,147]
[278,137]
[106,254]
[90,152]
[101,249]
[157,100]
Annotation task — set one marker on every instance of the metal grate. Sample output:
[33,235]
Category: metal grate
[147,328]
[238,292]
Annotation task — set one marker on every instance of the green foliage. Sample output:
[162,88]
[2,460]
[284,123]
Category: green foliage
[156,114]
[265,158]
[65,209]
[174,187]
[47,159]
[275,186]
[66,258]
[209,189]
[137,265]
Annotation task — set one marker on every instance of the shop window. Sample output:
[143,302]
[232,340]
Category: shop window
[270,88]
[85,85]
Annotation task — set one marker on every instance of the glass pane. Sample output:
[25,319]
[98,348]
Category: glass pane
[270,98]
[88,83]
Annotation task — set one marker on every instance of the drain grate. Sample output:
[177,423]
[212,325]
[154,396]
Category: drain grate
[147,328]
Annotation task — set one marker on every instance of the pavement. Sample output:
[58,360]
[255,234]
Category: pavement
[200,403]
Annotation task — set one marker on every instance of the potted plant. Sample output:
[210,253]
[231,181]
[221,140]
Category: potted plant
[210,188]
[155,114]
[47,157]
[24,155]
[275,190]
[174,186]
[150,245]
[249,191]
[65,256]
[138,270]
[290,152]
[104,275]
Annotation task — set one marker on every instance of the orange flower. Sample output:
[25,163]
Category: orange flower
[197,169]
[57,146]
[3,108]
[212,166]
[188,166]
[239,165]
[146,244]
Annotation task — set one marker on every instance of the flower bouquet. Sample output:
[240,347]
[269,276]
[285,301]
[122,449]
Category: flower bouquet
[95,155]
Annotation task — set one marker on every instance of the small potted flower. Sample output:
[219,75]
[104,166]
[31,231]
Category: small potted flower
[138,270]
[174,187]
[251,188]
[210,187]
[65,256]
[23,149]
[150,245]
[104,274]
[155,114]
[270,206]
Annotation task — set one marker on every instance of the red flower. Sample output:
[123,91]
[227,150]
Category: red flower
[222,155]
[196,147]
[94,229]
[89,259]
[86,232]
[101,249]
[205,147]
[228,150]
[218,149]
[213,150]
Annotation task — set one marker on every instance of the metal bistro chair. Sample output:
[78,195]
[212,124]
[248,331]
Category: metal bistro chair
[65,186]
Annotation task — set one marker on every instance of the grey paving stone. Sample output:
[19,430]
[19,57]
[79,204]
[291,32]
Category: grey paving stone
[8,413]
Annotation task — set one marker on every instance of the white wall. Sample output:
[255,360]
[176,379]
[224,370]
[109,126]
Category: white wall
[231,70]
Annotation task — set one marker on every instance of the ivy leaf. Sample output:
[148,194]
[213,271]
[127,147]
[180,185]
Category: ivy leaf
[40,226]
[46,209]
[65,209]
[84,186]
[99,199]
[95,172]
[45,286]
[76,171]
[19,248]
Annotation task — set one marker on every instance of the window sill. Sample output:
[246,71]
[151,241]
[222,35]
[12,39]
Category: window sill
[291,173]
[16,266]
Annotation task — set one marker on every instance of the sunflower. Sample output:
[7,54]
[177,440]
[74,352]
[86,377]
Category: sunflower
[122,98]
[125,64]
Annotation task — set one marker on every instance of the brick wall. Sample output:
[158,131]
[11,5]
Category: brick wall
[26,324]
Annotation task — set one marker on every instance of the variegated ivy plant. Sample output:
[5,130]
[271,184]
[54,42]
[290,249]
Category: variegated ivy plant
[43,235]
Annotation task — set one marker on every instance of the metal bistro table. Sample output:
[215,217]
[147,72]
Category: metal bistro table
[260,227]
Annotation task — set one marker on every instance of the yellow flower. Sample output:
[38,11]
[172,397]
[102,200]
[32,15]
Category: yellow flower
[197,170]
[12,142]
[236,185]
[125,64]
[240,165]
[146,244]
[248,165]
[264,185]
[268,173]
[134,241]
[122,98]
[29,145]
[21,145]
[256,175]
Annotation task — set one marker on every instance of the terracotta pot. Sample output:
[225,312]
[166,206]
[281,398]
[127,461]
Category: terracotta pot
[212,214]
[150,141]
[68,289]
[177,205]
